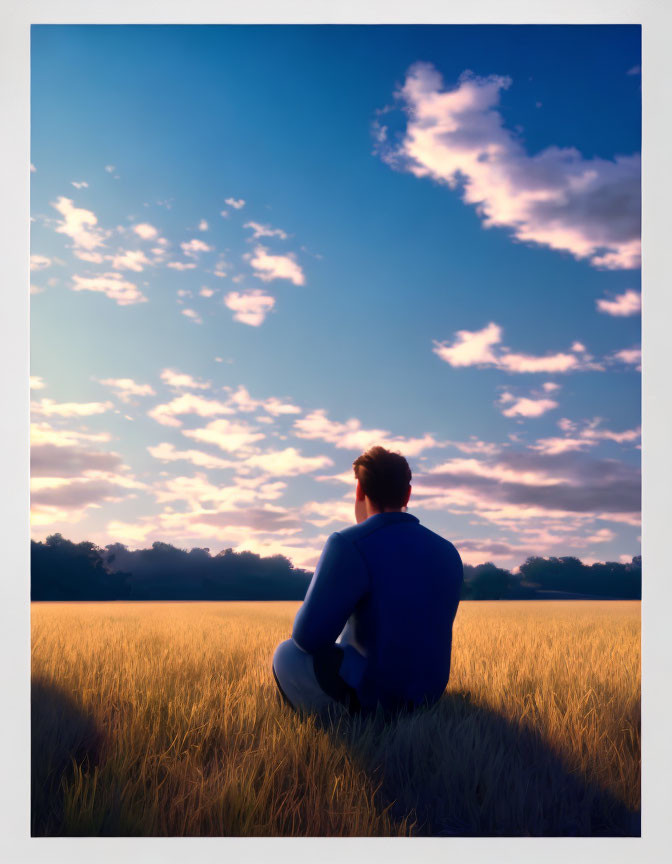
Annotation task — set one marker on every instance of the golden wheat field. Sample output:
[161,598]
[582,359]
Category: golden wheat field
[164,719]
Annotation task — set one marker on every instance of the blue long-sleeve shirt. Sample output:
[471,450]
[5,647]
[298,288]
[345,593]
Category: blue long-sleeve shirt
[398,585]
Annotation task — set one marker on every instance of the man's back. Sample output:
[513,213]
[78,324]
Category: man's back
[399,583]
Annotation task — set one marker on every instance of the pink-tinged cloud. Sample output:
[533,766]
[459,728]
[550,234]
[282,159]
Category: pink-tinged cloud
[519,485]
[79,224]
[259,230]
[241,400]
[68,477]
[556,198]
[44,433]
[166,452]
[126,388]
[180,380]
[524,406]
[39,262]
[623,305]
[188,403]
[351,436]
[480,348]
[228,435]
[193,315]
[51,408]
[250,307]
[577,438]
[268,267]
[112,285]
[236,203]
[130,259]
[193,248]
[146,231]
[629,356]
[182,265]
[285,463]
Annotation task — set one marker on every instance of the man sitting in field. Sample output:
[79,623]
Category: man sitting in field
[390,587]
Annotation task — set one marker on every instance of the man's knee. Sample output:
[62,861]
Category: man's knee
[285,656]
[294,674]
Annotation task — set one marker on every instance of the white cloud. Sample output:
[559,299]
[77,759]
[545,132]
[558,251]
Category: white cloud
[193,315]
[259,230]
[556,198]
[525,407]
[550,386]
[476,348]
[110,168]
[206,292]
[286,463]
[81,185]
[166,452]
[250,307]
[35,289]
[623,305]
[578,439]
[182,265]
[629,356]
[187,403]
[203,225]
[276,407]
[79,224]
[241,400]
[181,380]
[44,433]
[268,267]
[37,383]
[146,231]
[91,257]
[192,248]
[351,436]
[471,348]
[113,286]
[236,203]
[33,169]
[51,408]
[126,388]
[130,259]
[228,435]
[39,262]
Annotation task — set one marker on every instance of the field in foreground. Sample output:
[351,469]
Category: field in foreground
[163,719]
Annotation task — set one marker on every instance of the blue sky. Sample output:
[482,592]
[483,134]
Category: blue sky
[257,251]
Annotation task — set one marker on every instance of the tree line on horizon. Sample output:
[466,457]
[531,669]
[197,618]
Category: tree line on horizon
[63,570]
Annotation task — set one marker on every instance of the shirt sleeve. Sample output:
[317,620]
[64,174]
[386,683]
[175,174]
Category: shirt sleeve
[340,580]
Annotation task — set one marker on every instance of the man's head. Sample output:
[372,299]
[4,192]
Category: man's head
[383,482]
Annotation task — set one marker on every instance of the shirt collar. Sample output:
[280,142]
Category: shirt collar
[393,516]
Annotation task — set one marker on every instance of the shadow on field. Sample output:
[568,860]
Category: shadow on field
[461,769]
[63,737]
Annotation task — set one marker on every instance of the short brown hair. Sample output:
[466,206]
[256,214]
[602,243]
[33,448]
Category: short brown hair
[384,477]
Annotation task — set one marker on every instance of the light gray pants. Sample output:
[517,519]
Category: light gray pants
[295,672]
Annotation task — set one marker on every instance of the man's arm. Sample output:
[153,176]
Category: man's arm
[339,581]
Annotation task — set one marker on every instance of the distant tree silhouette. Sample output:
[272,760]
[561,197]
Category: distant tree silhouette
[569,574]
[485,582]
[62,570]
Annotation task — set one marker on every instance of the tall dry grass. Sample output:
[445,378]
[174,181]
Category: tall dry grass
[164,719]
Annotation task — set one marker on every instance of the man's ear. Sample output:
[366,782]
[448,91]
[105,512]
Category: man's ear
[359,492]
